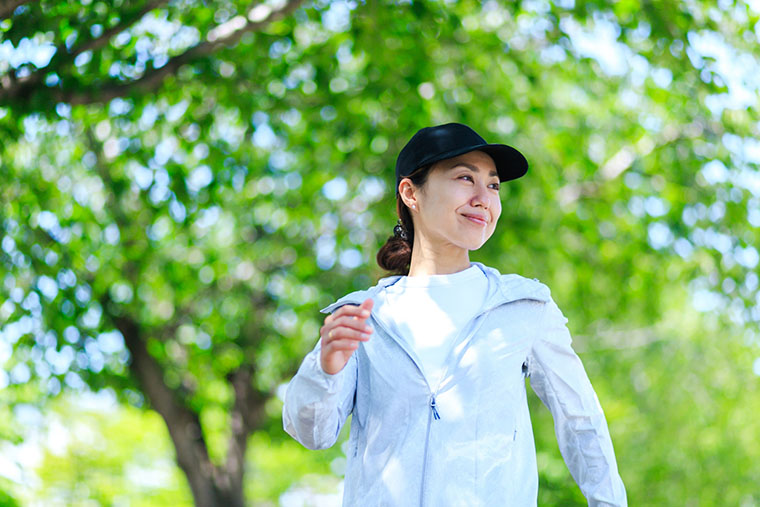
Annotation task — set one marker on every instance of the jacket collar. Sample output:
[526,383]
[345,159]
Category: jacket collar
[502,289]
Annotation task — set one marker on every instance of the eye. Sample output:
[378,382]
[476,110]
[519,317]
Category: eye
[495,186]
[466,176]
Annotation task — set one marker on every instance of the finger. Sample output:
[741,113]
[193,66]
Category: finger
[358,311]
[325,332]
[345,333]
[352,323]
[341,345]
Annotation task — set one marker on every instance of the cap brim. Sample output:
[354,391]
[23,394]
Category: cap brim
[510,163]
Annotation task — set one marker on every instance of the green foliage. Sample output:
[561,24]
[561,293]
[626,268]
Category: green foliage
[96,451]
[6,500]
[278,463]
[217,193]
[680,410]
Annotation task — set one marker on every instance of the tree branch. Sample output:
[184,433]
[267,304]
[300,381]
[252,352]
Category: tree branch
[8,6]
[105,37]
[62,54]
[624,158]
[222,35]
[12,87]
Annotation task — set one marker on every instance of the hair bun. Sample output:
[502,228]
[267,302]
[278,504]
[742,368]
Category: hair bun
[395,255]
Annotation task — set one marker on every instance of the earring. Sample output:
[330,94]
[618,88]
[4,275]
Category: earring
[414,206]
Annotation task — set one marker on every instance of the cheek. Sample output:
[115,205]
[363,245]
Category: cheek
[496,211]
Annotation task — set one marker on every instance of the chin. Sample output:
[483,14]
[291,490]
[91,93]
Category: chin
[471,240]
[474,245]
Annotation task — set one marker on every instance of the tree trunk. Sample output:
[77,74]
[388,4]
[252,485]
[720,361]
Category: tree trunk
[211,485]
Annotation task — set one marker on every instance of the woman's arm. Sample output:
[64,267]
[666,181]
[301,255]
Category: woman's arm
[317,403]
[321,395]
[560,381]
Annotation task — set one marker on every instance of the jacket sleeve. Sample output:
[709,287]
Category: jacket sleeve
[560,381]
[317,403]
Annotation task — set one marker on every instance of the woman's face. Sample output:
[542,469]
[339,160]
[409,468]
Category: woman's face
[459,203]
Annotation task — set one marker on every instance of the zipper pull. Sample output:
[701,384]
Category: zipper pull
[436,415]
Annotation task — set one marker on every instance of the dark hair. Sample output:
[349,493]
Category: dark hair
[396,254]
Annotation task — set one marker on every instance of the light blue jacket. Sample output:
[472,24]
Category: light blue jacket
[469,440]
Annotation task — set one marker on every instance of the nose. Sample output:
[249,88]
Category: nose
[481,197]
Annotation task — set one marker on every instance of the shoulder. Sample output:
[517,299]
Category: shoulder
[513,285]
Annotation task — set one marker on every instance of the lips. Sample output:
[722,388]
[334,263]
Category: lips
[476,219]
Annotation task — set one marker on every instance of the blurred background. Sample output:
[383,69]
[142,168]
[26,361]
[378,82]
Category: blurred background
[183,185]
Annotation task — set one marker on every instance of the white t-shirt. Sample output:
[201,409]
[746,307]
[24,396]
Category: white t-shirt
[429,312]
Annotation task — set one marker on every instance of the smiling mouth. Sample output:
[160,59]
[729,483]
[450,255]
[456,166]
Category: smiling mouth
[476,220]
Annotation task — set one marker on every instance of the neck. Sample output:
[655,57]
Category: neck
[430,259]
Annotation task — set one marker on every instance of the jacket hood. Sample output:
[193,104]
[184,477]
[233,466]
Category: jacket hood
[501,289]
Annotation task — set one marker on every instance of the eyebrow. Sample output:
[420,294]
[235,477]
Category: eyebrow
[471,168]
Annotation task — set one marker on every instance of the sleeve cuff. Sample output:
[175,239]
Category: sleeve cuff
[332,384]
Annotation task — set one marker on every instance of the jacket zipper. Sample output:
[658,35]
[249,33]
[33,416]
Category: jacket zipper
[424,458]
[433,414]
[433,410]
[476,323]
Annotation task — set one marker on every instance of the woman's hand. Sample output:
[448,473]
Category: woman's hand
[341,334]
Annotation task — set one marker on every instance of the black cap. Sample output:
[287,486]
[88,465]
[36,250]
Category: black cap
[432,144]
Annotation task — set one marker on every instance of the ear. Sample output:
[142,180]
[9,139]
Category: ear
[408,192]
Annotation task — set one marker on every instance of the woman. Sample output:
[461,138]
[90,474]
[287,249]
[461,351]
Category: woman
[431,362]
